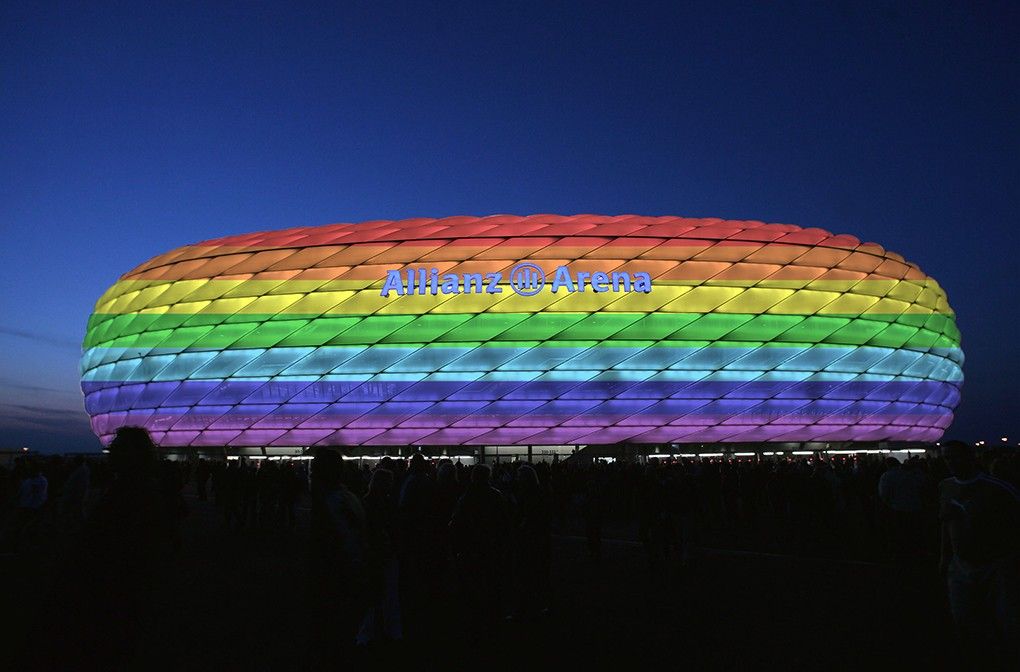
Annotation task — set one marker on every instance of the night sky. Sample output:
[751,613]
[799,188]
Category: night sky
[129,130]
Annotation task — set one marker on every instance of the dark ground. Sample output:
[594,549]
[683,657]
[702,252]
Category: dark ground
[238,600]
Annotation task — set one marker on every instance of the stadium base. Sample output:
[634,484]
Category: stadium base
[582,453]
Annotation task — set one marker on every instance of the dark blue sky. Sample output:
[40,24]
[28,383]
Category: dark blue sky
[129,130]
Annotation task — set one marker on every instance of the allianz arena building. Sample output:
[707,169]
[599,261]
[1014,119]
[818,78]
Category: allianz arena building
[504,335]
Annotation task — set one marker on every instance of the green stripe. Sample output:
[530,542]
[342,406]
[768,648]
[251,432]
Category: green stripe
[259,331]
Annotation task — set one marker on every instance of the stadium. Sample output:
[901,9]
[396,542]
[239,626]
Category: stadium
[533,336]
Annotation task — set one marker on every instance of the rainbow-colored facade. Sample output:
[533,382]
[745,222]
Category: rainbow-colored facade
[524,330]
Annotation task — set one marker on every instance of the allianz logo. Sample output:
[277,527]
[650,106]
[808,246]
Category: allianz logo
[525,279]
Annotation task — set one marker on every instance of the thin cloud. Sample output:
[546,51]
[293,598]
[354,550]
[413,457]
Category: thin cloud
[44,428]
[35,410]
[40,337]
[15,385]
[42,419]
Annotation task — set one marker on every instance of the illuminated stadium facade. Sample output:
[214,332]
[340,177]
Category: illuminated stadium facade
[523,331]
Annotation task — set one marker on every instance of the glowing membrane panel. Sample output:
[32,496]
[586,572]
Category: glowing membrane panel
[524,330]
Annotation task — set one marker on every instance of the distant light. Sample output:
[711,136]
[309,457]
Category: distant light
[1004,439]
[857,451]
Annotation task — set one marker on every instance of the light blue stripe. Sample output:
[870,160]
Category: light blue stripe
[463,362]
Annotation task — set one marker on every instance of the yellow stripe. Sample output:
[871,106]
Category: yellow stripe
[136,295]
[662,298]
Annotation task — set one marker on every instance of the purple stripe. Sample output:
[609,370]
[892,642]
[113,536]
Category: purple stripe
[731,416]
[540,436]
[238,412]
[109,397]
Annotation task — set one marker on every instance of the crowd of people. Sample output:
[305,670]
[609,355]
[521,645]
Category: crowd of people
[251,493]
[388,539]
[493,525]
[41,497]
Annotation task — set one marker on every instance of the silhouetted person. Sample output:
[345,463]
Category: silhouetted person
[76,488]
[593,505]
[230,495]
[32,494]
[901,488]
[107,576]
[682,501]
[171,487]
[980,553]
[248,490]
[1007,468]
[290,490]
[749,487]
[201,479]
[338,559]
[448,492]
[479,527]
[419,529]
[652,516]
[532,534]
[382,619]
